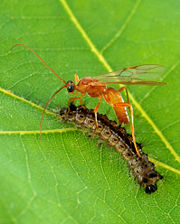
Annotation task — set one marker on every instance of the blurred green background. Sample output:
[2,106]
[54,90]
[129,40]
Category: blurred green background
[64,177]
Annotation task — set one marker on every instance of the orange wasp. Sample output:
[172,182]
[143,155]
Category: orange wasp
[97,87]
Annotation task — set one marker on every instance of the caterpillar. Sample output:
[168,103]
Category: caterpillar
[116,136]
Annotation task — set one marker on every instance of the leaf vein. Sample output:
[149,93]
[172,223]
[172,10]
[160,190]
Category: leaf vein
[37,132]
[106,180]
[154,87]
[28,169]
[123,27]
[9,93]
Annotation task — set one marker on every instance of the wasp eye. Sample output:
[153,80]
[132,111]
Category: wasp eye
[70,88]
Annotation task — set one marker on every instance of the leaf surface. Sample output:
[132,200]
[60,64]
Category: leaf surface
[64,177]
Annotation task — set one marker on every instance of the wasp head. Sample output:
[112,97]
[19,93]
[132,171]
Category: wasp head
[70,86]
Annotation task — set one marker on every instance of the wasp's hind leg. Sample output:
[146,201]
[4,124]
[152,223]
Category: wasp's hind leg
[127,95]
[132,123]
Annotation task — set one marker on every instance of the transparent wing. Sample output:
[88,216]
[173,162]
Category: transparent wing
[139,74]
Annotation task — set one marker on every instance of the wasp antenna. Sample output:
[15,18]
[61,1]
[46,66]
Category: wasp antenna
[42,116]
[40,59]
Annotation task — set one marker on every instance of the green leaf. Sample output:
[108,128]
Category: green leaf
[64,177]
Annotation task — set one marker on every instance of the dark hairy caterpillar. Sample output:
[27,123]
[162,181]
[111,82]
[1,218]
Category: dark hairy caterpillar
[143,170]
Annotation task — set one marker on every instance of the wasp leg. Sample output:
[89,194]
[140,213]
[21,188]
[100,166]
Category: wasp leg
[124,88]
[132,123]
[95,116]
[127,95]
[72,100]
[96,109]
[75,98]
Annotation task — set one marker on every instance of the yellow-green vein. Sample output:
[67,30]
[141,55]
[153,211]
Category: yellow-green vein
[157,163]
[118,34]
[37,132]
[9,93]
